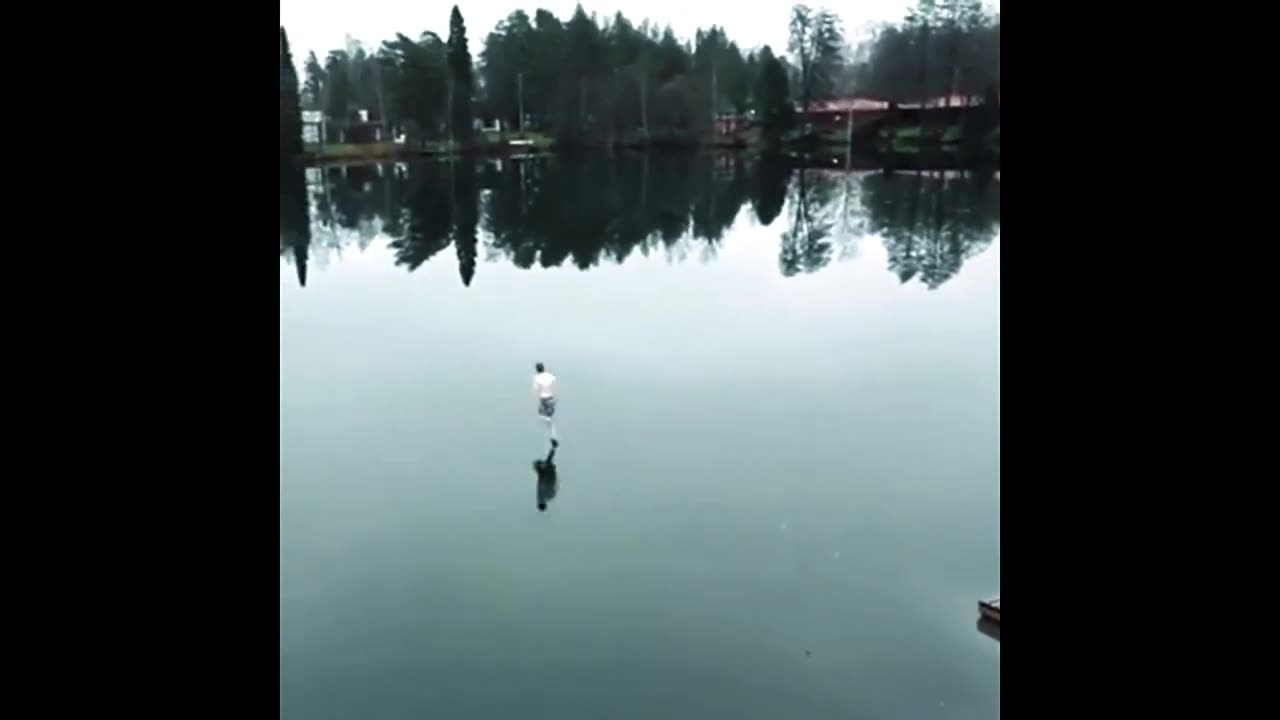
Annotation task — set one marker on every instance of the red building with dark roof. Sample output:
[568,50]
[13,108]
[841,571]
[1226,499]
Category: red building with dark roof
[837,113]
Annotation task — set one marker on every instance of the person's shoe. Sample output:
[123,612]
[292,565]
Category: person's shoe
[555,443]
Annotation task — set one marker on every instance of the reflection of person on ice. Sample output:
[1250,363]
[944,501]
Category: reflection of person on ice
[544,387]
[547,478]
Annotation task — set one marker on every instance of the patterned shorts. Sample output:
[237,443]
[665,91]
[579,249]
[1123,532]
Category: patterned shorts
[547,407]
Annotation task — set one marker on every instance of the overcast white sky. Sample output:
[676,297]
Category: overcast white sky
[322,25]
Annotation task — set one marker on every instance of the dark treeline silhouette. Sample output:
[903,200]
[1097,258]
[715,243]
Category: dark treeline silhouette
[605,82]
[941,46]
[550,212]
[290,110]
[587,80]
[583,80]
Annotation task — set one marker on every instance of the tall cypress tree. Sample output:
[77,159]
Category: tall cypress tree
[460,75]
[295,228]
[290,104]
[315,83]
[772,97]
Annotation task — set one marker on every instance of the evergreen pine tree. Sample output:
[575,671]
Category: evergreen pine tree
[290,105]
[460,75]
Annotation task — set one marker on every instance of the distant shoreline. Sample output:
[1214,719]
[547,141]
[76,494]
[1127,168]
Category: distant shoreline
[532,144]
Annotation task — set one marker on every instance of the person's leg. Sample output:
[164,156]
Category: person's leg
[548,412]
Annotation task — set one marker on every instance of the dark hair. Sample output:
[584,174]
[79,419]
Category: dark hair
[539,367]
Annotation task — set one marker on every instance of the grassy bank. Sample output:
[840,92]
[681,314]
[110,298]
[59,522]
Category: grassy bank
[352,151]
[486,143]
[502,143]
[911,139]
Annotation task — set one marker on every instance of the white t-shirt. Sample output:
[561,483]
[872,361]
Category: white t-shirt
[544,383]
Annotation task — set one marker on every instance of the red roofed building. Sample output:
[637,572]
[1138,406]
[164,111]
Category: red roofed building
[854,104]
[837,113]
[954,100]
[730,124]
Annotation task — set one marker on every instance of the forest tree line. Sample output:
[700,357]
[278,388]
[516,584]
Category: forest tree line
[939,46]
[590,80]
